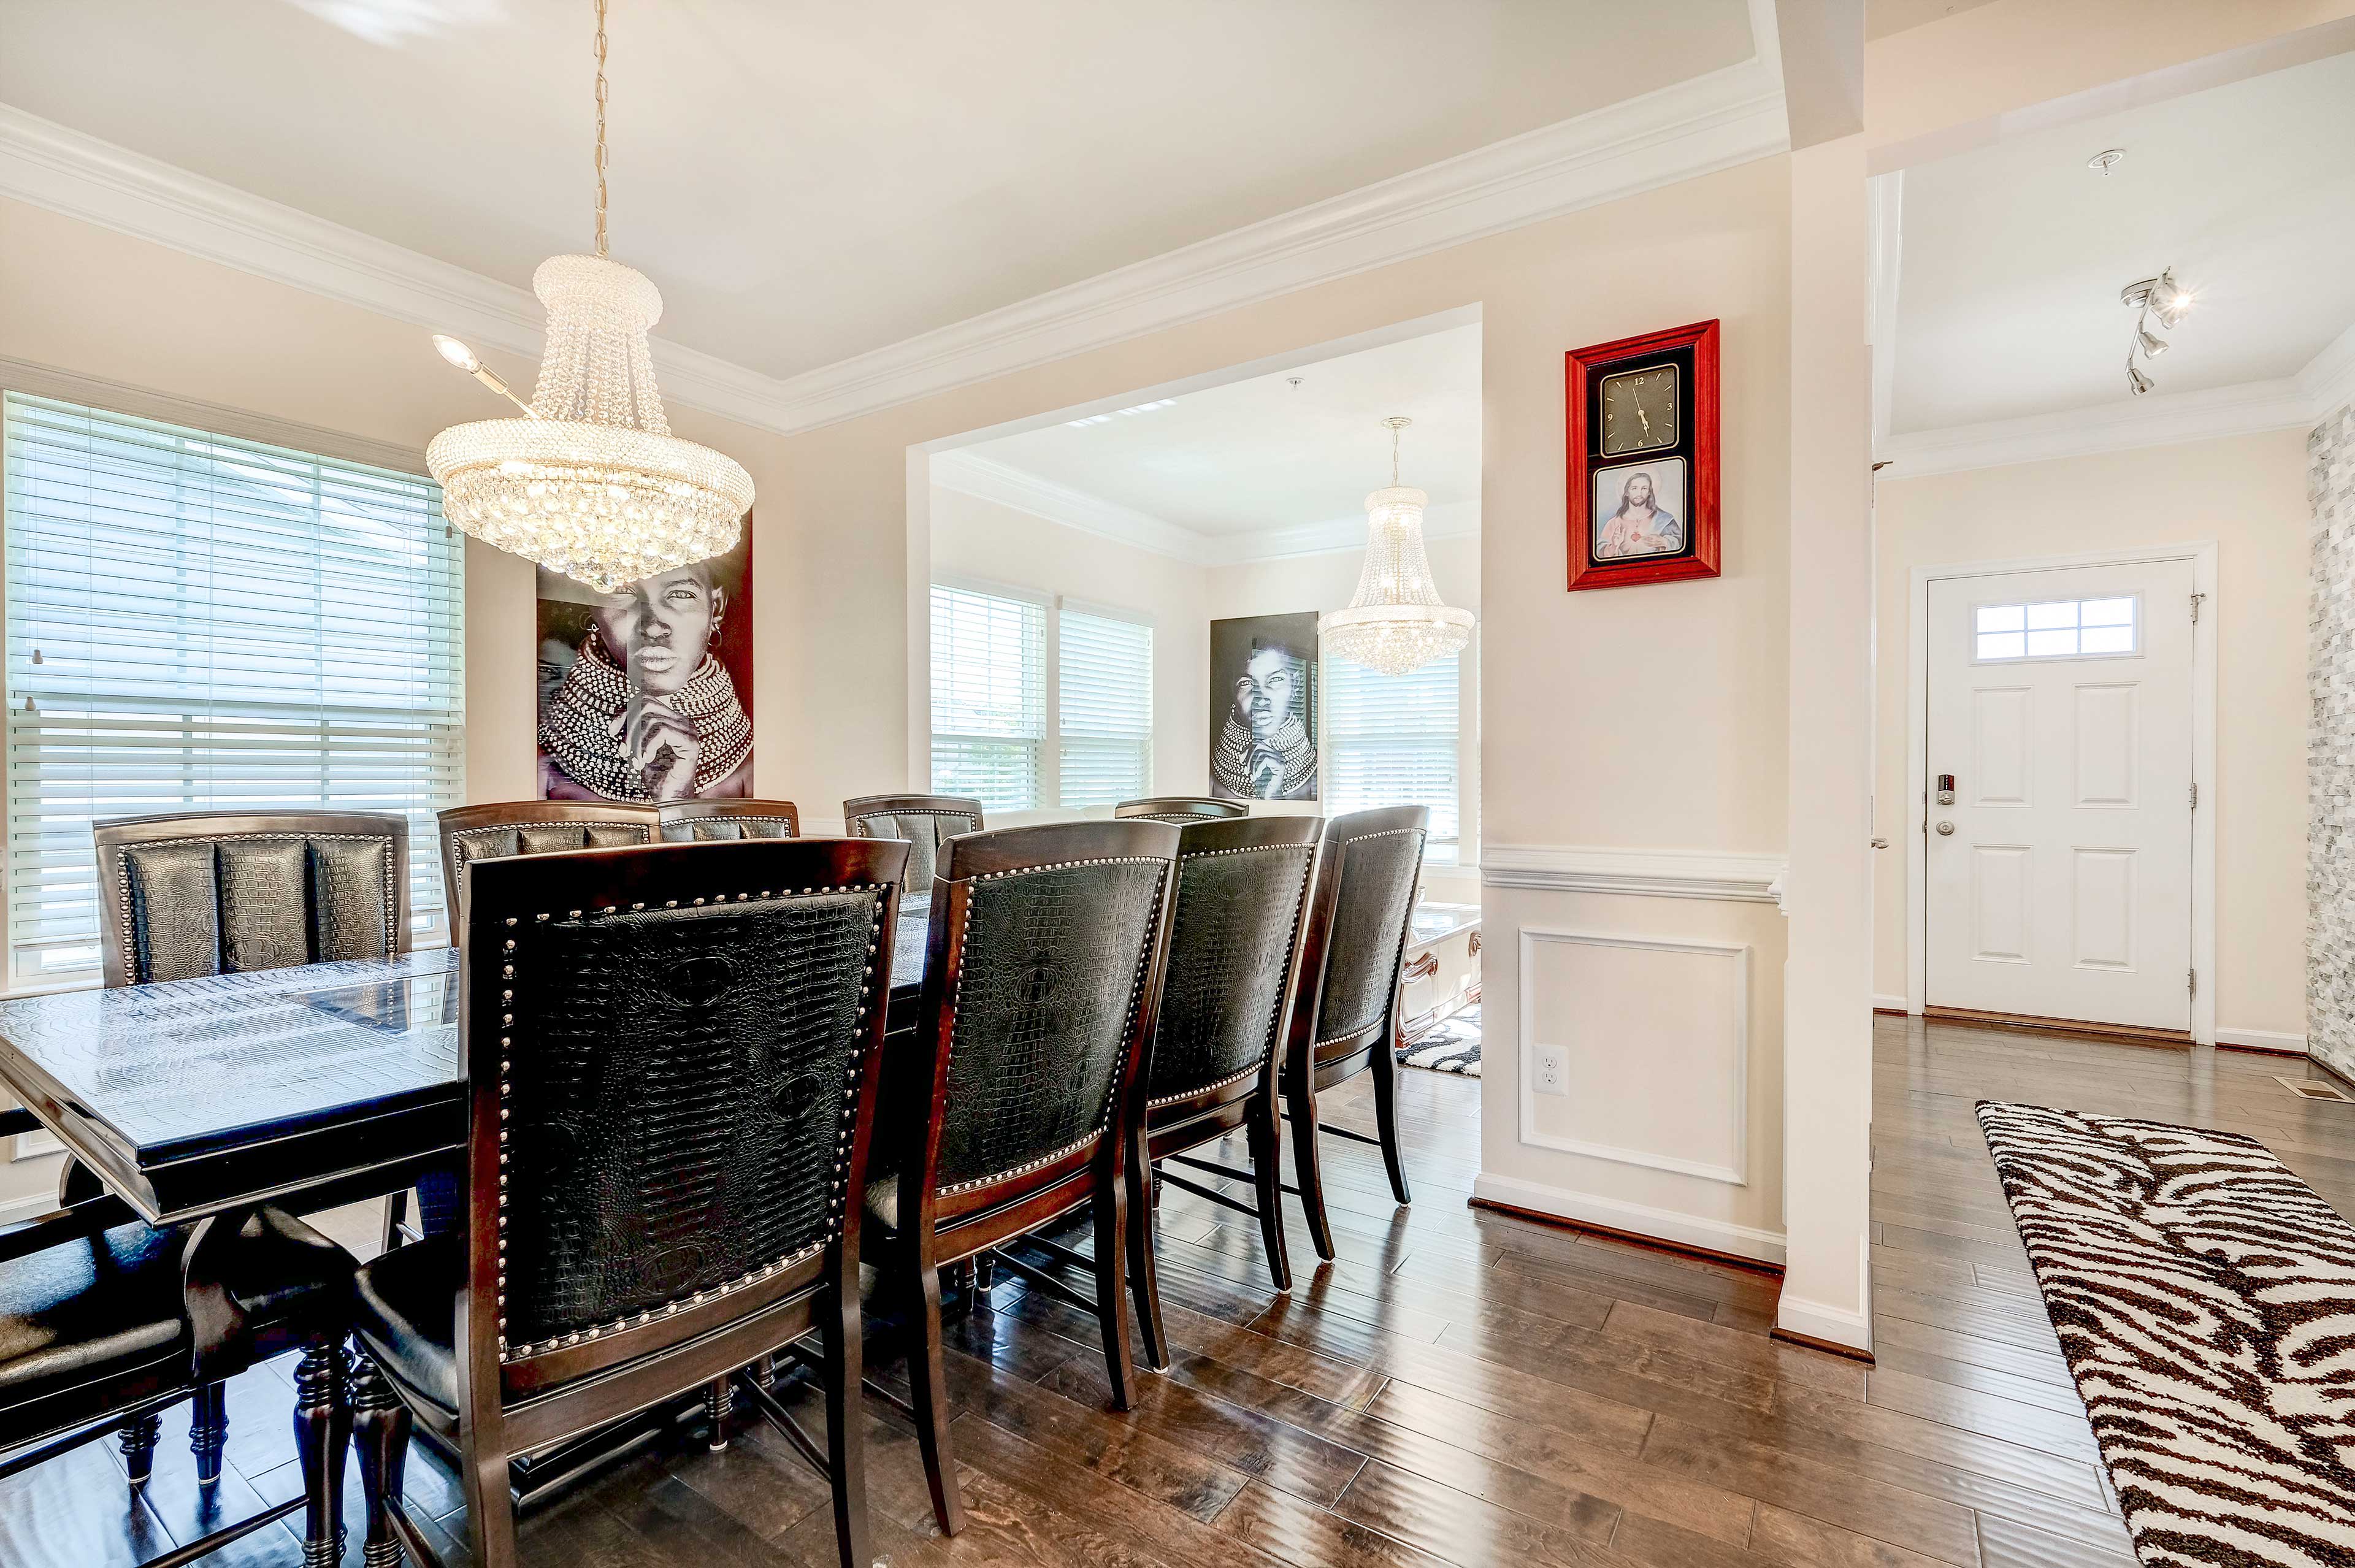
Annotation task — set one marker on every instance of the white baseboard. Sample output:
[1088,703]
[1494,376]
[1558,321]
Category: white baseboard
[1882,1003]
[2261,1038]
[1834,1325]
[1636,1219]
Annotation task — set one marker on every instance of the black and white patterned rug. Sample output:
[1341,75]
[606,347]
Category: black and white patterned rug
[1452,1046]
[2205,1299]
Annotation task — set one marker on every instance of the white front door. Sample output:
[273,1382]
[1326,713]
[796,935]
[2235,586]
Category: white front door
[2059,874]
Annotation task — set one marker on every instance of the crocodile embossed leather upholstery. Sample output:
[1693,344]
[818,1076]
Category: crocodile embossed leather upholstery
[678,1100]
[703,821]
[926,822]
[1234,926]
[1053,964]
[262,892]
[1379,872]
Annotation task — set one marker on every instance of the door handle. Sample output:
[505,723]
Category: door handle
[1881,843]
[1945,829]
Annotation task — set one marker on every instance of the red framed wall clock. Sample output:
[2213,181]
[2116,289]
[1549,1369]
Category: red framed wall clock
[1642,458]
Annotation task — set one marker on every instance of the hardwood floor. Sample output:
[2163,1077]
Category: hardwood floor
[1458,1387]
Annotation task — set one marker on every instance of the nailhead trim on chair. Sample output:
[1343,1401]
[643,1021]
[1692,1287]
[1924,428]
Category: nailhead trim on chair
[835,1202]
[1404,930]
[1307,870]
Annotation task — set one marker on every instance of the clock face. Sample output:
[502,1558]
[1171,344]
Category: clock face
[1640,410]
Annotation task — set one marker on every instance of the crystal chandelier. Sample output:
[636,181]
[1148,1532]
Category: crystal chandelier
[589,482]
[1396,623]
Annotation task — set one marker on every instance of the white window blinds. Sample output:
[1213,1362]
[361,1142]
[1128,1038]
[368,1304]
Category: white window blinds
[197,622]
[1392,741]
[1106,735]
[989,697]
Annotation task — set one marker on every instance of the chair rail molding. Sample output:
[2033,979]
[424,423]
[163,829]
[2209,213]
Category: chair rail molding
[1737,877]
[1727,117]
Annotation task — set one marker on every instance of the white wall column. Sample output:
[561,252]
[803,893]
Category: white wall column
[1827,996]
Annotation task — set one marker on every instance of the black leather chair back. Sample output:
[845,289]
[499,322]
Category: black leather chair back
[925,821]
[702,821]
[500,828]
[680,1040]
[1372,864]
[1234,928]
[1055,937]
[215,893]
[1179,810]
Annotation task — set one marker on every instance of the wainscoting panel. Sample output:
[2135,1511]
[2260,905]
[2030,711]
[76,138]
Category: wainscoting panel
[1655,1038]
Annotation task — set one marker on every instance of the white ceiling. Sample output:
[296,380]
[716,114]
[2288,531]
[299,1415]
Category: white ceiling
[1257,456]
[2012,255]
[805,181]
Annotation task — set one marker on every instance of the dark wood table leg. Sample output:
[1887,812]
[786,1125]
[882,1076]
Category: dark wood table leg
[138,1437]
[380,1436]
[322,1432]
[208,1430]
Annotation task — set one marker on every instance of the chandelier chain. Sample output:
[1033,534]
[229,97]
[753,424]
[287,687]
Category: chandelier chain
[601,127]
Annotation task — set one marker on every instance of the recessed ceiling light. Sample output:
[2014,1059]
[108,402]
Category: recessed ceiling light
[2106,160]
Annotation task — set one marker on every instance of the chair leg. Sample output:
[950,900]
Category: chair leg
[1386,1120]
[322,1432]
[1265,1136]
[490,1502]
[381,1441]
[718,1402]
[930,1385]
[1112,1304]
[984,1273]
[845,1432]
[1142,1282]
[209,1431]
[1301,1101]
[138,1439]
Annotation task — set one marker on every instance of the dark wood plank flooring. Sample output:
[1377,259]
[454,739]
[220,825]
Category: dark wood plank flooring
[1456,1388]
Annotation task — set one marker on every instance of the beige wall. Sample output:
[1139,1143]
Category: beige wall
[982,541]
[2248,495]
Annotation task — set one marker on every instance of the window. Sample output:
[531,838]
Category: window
[1002,663]
[2063,629]
[989,697]
[1392,741]
[1106,707]
[204,623]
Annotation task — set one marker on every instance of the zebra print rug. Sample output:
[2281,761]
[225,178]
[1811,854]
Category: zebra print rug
[2205,1299]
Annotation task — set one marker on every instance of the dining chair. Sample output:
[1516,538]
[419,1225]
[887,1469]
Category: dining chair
[1235,938]
[697,821]
[500,828]
[925,821]
[189,893]
[1179,810]
[213,892]
[1019,1095]
[672,1055]
[100,1333]
[1344,1005]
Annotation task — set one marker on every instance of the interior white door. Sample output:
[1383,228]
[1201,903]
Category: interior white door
[2059,874]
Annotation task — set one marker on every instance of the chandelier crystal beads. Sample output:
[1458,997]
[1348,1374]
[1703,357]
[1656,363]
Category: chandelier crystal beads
[591,482]
[1397,622]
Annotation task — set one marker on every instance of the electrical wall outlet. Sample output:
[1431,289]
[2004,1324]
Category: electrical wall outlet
[1552,1070]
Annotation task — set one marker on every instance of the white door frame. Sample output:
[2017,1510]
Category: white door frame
[2201,554]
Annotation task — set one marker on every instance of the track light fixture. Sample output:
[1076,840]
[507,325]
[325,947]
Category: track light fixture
[2161,298]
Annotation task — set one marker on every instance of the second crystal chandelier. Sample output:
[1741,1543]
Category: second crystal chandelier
[1396,623]
[591,482]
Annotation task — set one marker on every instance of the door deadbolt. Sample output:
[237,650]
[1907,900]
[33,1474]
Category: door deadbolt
[1945,828]
[1945,789]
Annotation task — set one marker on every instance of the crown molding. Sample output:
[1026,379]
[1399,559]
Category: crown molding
[969,472]
[1691,128]
[2162,419]
[1642,873]
[50,166]
[2329,379]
